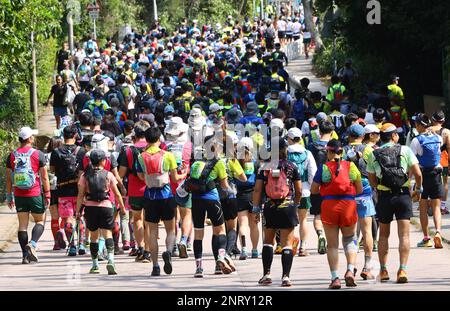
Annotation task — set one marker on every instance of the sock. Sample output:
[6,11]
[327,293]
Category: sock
[402,267]
[170,241]
[214,246]
[110,249]
[101,245]
[350,267]
[267,257]
[198,262]
[189,240]
[243,242]
[222,244]
[94,253]
[367,260]
[36,233]
[183,240]
[124,228]
[23,241]
[426,237]
[302,244]
[55,227]
[231,240]
[319,232]
[116,233]
[286,261]
[68,229]
[82,235]
[383,267]
[334,275]
[198,249]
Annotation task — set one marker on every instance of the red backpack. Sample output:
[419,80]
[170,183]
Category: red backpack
[341,184]
[277,187]
[396,117]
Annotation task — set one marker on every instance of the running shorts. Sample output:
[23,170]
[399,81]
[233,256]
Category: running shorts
[341,213]
[157,210]
[136,203]
[432,184]
[365,207]
[34,205]
[390,204]
[98,217]
[278,216]
[229,208]
[201,207]
[305,203]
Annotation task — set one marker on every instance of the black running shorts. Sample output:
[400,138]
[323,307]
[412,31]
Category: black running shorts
[390,204]
[229,208]
[99,218]
[157,210]
[201,207]
[432,184]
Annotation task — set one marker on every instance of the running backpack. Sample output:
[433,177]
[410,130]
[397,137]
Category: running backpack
[97,180]
[269,33]
[355,154]
[67,169]
[111,96]
[24,176]
[392,173]
[277,187]
[299,159]
[431,154]
[319,152]
[201,185]
[132,154]
[299,110]
[339,123]
[155,177]
[338,95]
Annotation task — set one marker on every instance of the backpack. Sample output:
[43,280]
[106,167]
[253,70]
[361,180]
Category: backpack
[431,146]
[132,154]
[155,177]
[202,185]
[391,170]
[299,110]
[396,117]
[338,95]
[24,176]
[299,159]
[97,184]
[340,183]
[97,111]
[250,170]
[269,33]
[126,92]
[277,187]
[339,123]
[231,183]
[90,45]
[319,152]
[67,169]
[357,157]
[111,96]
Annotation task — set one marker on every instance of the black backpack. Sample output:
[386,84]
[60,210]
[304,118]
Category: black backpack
[391,170]
[132,153]
[67,169]
[97,184]
[319,153]
[358,159]
[202,185]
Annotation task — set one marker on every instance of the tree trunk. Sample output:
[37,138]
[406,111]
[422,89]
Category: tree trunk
[307,6]
[243,5]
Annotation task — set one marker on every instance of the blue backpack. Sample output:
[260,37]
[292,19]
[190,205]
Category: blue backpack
[299,159]
[299,110]
[431,155]
[24,176]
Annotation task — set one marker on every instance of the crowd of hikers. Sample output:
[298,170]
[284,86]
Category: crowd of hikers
[172,129]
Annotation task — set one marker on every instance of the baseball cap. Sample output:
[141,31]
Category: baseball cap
[169,109]
[26,132]
[371,128]
[215,107]
[388,128]
[96,156]
[277,123]
[356,130]
[321,116]
[294,133]
[438,116]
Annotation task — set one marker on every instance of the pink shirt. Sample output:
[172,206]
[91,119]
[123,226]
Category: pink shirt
[106,203]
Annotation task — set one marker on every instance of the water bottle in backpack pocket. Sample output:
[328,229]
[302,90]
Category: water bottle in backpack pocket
[24,176]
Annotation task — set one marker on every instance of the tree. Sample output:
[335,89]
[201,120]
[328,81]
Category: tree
[307,6]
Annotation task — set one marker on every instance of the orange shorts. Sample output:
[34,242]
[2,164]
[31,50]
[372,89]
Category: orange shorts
[341,213]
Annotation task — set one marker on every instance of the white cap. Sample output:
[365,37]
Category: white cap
[176,126]
[215,107]
[277,123]
[26,132]
[294,132]
[371,128]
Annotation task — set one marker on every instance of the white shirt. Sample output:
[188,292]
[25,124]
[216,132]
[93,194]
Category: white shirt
[281,25]
[289,26]
[296,27]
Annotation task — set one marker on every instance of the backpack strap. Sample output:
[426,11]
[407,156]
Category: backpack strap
[209,166]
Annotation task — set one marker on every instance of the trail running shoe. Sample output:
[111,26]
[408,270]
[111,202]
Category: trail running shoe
[147,258]
[286,282]
[278,249]
[425,243]
[444,211]
[255,253]
[60,240]
[81,250]
[303,252]
[25,261]
[183,250]
[133,252]
[111,268]
[265,280]
[402,277]
[366,275]
[175,251]
[117,250]
[126,246]
[87,244]
[384,275]
[235,251]
[437,241]
[230,263]
[32,256]
[322,247]
[73,251]
[226,269]
[156,271]
[295,244]
[243,256]
[335,284]
[94,270]
[167,262]
[139,256]
[350,279]
[198,273]
[218,270]
[101,257]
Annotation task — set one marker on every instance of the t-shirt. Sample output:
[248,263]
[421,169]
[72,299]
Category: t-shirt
[69,190]
[136,187]
[111,181]
[62,56]
[59,93]
[38,160]
[407,159]
[218,172]
[169,164]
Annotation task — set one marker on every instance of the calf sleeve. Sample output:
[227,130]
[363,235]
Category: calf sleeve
[350,244]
